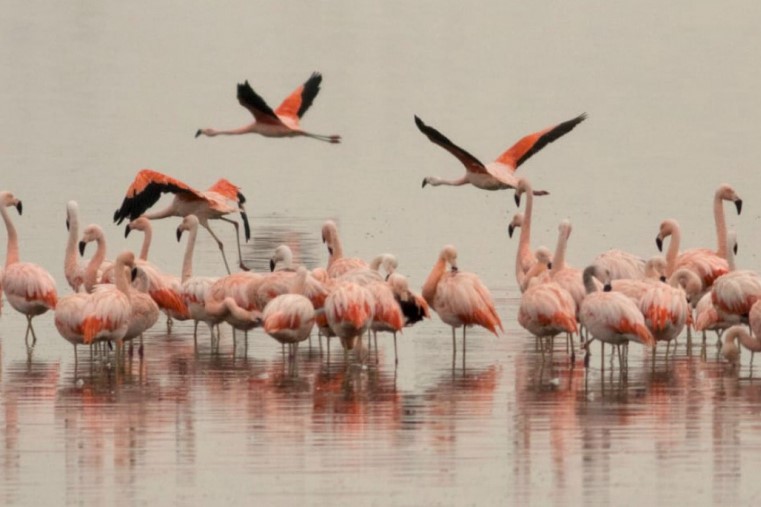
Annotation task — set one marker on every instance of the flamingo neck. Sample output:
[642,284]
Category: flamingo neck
[558,260]
[187,260]
[300,282]
[524,242]
[673,251]
[91,273]
[535,271]
[169,211]
[432,282]
[70,260]
[337,251]
[435,182]
[721,226]
[121,279]
[12,255]
[148,236]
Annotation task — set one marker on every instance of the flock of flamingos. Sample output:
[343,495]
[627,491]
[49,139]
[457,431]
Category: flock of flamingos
[618,298]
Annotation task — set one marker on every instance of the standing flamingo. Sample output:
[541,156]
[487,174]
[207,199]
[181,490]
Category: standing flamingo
[337,263]
[73,268]
[282,122]
[750,342]
[460,298]
[705,263]
[212,204]
[610,317]
[524,257]
[289,318]
[567,277]
[349,312]
[738,290]
[666,312]
[29,288]
[499,174]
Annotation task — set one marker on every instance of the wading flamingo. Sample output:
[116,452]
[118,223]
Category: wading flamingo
[337,263]
[738,290]
[524,257]
[29,288]
[610,317]
[567,277]
[282,122]
[499,174]
[666,312]
[289,318]
[460,298]
[702,261]
[212,204]
[751,342]
[349,312]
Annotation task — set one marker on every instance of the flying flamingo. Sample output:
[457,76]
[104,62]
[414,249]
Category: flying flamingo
[610,317]
[499,174]
[194,288]
[282,122]
[73,268]
[337,263]
[29,288]
[460,298]
[752,343]
[212,204]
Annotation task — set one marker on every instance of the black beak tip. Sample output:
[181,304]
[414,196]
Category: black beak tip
[549,265]
[127,231]
[134,274]
[198,132]
[663,278]
[659,244]
[510,230]
[179,234]
[517,200]
[607,287]
[739,205]
[82,246]
[734,249]
[19,208]
[68,225]
[272,265]
[425,182]
[330,250]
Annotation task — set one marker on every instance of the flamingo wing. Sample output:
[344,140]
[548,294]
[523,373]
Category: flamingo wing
[470,162]
[532,143]
[297,103]
[146,189]
[251,100]
[232,192]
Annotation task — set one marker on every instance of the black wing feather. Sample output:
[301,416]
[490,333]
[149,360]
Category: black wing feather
[251,100]
[310,91]
[137,204]
[551,135]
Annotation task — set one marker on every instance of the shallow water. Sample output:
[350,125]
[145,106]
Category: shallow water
[97,92]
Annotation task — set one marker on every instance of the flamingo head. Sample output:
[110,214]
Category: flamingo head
[727,193]
[516,222]
[449,254]
[8,199]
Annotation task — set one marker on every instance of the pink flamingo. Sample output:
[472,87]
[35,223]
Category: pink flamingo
[98,270]
[73,267]
[337,263]
[666,312]
[621,264]
[282,122]
[524,257]
[738,290]
[633,288]
[567,277]
[610,317]
[460,298]
[194,288]
[212,204]
[540,272]
[499,174]
[289,318]
[751,342]
[69,316]
[704,262]
[349,311]
[231,298]
[29,288]
[282,259]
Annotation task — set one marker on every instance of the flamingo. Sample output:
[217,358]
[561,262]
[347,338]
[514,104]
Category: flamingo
[635,288]
[539,272]
[282,259]
[282,122]
[460,298]
[73,268]
[164,287]
[69,316]
[30,289]
[705,263]
[230,298]
[349,312]
[524,257]
[499,174]
[289,318]
[194,288]
[610,317]
[751,342]
[212,204]
[567,277]
[621,264]
[738,290]
[337,263]
[666,312]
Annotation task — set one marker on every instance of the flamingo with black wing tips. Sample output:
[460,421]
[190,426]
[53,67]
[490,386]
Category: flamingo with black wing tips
[499,174]
[283,121]
[211,204]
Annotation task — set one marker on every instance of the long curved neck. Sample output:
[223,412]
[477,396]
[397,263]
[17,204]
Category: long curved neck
[432,282]
[435,182]
[524,244]
[91,273]
[337,249]
[187,261]
[558,260]
[535,270]
[120,277]
[721,226]
[673,251]
[11,255]
[749,342]
[148,236]
[70,259]
[169,211]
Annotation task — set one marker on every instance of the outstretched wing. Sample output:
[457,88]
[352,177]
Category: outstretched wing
[532,143]
[251,100]
[231,191]
[470,162]
[146,189]
[297,103]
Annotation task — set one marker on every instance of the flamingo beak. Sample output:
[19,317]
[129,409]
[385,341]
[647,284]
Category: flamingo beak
[663,278]
[659,243]
[198,132]
[272,265]
[179,234]
[127,230]
[82,246]
[517,198]
[734,249]
[454,269]
[739,205]
[68,226]
[607,287]
[425,182]
[549,265]
[510,230]
[19,207]
[330,250]
[133,274]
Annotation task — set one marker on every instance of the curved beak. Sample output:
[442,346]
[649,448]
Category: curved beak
[198,132]
[659,243]
[127,230]
[330,250]
[734,249]
[133,274]
[455,269]
[19,207]
[68,226]
[517,198]
[179,234]
[272,265]
[82,246]
[510,230]
[425,182]
[607,287]
[739,205]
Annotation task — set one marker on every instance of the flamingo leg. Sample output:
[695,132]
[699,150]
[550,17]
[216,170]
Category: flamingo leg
[602,356]
[219,244]
[237,240]
[454,348]
[396,358]
[463,346]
